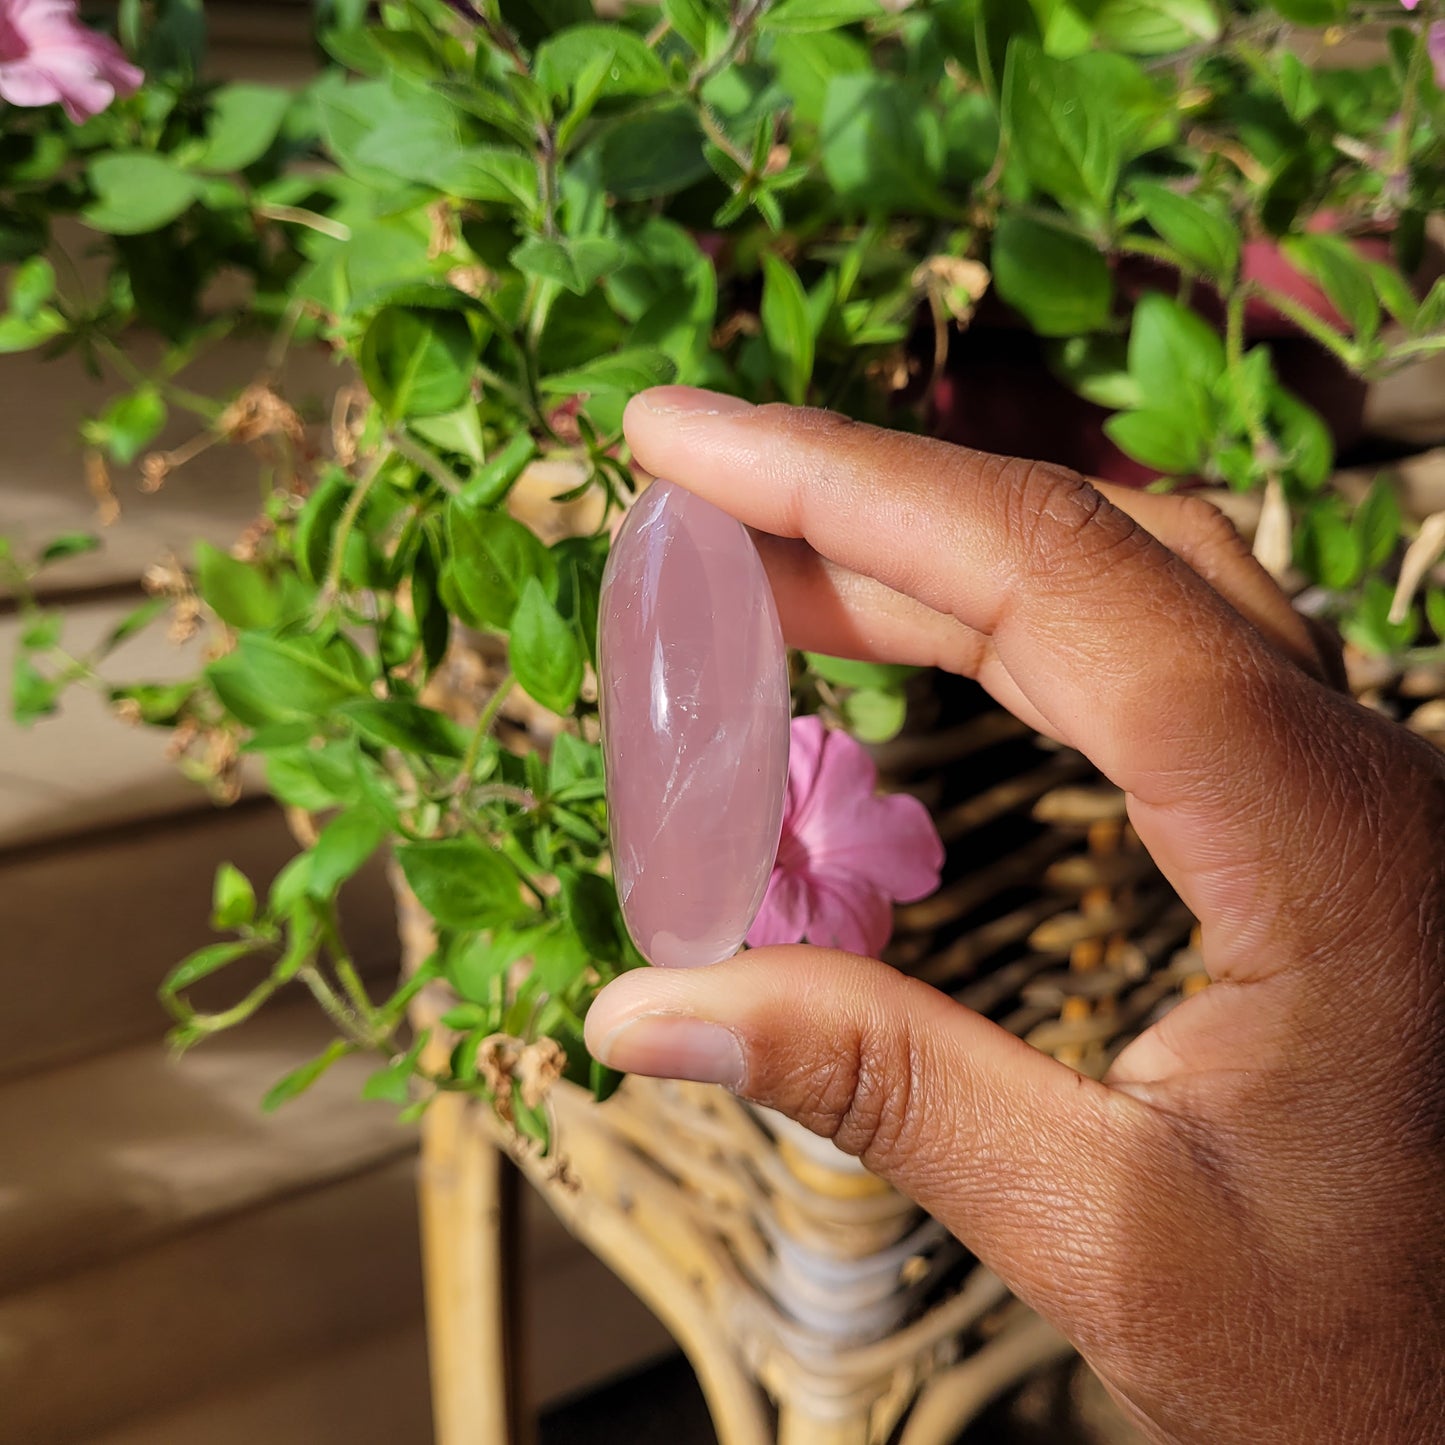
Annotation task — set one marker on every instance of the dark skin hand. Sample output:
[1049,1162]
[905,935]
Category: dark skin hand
[1243,1226]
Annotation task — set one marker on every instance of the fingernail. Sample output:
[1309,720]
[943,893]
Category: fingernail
[664,1046]
[691,401]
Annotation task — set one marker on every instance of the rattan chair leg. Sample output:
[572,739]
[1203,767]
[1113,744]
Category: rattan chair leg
[955,1397]
[461,1189]
[797,1427]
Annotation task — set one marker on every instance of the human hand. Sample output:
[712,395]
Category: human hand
[1242,1227]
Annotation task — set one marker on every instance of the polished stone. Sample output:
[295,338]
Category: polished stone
[695,711]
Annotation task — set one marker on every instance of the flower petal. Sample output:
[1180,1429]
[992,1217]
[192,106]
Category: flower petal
[845,775]
[26,85]
[785,911]
[807,738]
[1436,43]
[850,915]
[891,842]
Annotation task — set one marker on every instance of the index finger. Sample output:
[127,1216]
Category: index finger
[1125,651]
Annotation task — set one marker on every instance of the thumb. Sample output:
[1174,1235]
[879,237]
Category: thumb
[1023,1159]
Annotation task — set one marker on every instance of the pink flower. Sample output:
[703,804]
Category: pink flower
[1436,43]
[847,852]
[1410,4]
[47,55]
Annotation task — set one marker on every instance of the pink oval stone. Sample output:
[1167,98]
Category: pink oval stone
[695,709]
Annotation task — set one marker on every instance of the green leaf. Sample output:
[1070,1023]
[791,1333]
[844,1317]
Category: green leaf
[32,284]
[233,899]
[603,1082]
[316,526]
[654,154]
[457,431]
[1064,134]
[882,147]
[41,630]
[1156,27]
[137,192]
[544,651]
[1311,12]
[397,723]
[474,967]
[629,67]
[1174,354]
[32,694]
[1303,437]
[631,370]
[1097,368]
[243,125]
[237,593]
[787,327]
[346,842]
[313,778]
[1377,524]
[806,17]
[1205,237]
[1342,275]
[463,884]
[845,672]
[1369,626]
[135,621]
[24,333]
[389,1085]
[1394,292]
[129,424]
[68,544]
[1059,283]
[1166,440]
[1328,550]
[1435,611]
[591,904]
[202,964]
[874,717]
[490,485]
[492,557]
[299,1080]
[495,175]
[1297,87]
[418,362]
[1430,318]
[576,264]
[289,675]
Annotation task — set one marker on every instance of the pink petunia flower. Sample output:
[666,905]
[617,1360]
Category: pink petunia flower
[47,55]
[847,853]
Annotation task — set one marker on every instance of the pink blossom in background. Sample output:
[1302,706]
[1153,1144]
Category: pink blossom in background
[848,853]
[1437,51]
[47,55]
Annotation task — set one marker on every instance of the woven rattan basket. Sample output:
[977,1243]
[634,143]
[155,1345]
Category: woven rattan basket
[818,1306]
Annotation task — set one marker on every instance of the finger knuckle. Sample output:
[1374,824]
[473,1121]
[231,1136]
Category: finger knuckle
[863,1099]
[1062,522]
[1207,529]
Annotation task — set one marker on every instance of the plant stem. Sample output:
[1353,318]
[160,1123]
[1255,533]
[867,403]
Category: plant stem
[433,466]
[484,725]
[1333,342]
[238,1014]
[298,216]
[331,589]
[742,31]
[1414,78]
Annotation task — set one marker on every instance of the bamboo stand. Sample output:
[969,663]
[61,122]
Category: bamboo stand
[817,1305]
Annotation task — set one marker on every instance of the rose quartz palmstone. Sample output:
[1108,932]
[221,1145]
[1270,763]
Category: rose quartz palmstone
[695,708]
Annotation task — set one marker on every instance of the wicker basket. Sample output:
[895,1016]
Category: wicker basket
[819,1306]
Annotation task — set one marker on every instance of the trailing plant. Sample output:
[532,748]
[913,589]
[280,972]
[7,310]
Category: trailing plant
[502,219]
